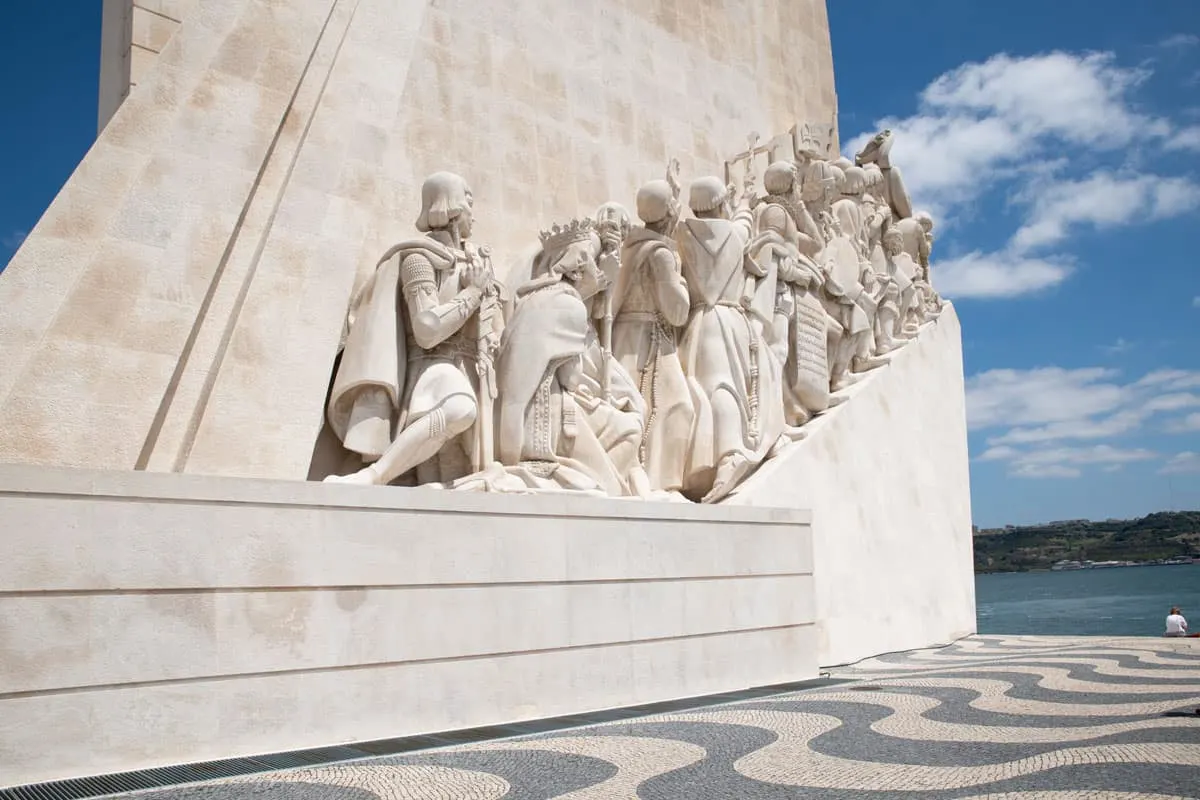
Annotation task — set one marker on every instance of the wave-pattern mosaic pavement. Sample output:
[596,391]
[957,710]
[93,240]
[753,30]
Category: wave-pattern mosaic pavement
[1012,718]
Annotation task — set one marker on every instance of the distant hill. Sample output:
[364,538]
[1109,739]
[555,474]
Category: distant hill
[1019,548]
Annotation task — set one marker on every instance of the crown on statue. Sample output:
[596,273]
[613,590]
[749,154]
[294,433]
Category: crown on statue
[559,236]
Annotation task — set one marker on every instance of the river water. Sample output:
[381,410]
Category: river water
[1125,601]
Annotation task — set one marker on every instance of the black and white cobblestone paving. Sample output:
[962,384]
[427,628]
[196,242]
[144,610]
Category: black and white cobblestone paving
[1010,718]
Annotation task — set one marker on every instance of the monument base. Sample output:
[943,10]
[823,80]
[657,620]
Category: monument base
[886,476]
[151,619]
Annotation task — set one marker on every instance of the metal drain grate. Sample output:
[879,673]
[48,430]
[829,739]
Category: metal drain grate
[165,777]
[868,688]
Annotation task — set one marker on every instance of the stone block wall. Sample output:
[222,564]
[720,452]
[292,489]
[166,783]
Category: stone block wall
[149,620]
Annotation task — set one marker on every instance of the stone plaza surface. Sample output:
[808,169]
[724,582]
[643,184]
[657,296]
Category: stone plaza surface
[990,716]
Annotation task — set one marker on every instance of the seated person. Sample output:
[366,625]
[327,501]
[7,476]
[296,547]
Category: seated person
[1176,624]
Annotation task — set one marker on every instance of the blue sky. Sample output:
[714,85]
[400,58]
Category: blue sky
[1057,145]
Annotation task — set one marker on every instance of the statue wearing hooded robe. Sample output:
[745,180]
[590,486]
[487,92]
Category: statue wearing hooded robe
[415,373]
[731,370]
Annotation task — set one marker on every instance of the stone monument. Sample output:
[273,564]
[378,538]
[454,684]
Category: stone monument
[379,253]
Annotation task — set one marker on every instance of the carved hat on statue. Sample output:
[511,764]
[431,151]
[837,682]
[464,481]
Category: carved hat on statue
[874,176]
[833,184]
[842,163]
[707,194]
[779,178]
[820,177]
[854,181]
[445,197]
[656,202]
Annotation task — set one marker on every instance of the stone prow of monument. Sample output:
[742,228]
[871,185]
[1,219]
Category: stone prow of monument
[886,478]
[174,590]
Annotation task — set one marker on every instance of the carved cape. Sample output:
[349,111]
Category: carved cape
[375,355]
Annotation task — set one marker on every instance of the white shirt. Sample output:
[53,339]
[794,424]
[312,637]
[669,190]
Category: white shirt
[1176,624]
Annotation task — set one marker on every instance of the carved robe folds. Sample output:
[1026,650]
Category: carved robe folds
[800,322]
[560,424]
[386,381]
[650,304]
[731,372]
[553,428]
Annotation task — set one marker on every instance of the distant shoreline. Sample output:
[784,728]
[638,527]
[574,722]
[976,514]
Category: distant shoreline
[1165,537]
[1056,568]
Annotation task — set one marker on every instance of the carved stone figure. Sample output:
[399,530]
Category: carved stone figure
[843,295]
[667,361]
[731,373]
[898,298]
[556,427]
[925,248]
[414,387]
[915,237]
[650,305]
[877,214]
[787,236]
[849,209]
[878,152]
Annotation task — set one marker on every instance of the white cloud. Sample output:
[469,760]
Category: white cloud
[1178,379]
[1009,121]
[1189,424]
[1185,139]
[1045,471]
[1101,200]
[1041,395]
[1066,462]
[980,117]
[1173,402]
[1037,411]
[1184,463]
[1113,425]
[997,275]
[1180,40]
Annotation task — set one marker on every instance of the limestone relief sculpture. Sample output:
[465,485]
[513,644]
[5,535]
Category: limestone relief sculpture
[662,361]
[786,234]
[567,417]
[415,386]
[650,307]
[732,373]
